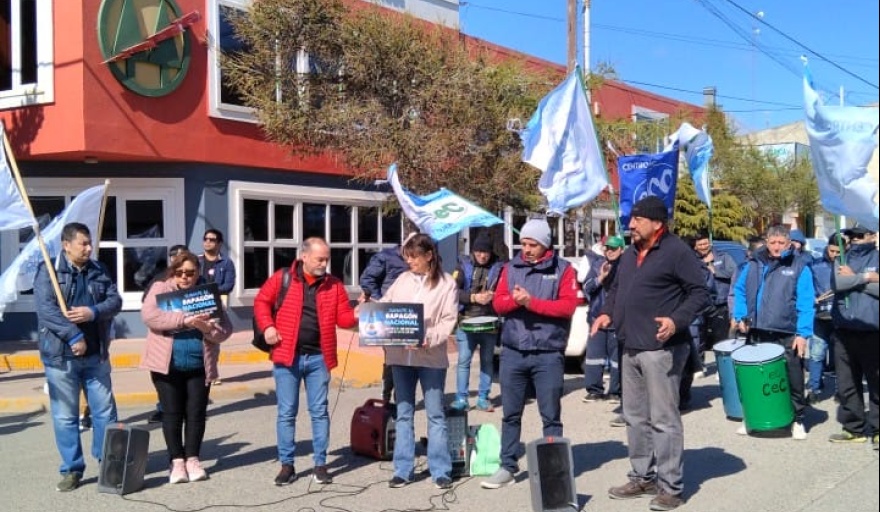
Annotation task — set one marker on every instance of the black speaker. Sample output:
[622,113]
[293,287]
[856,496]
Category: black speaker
[125,459]
[551,475]
[457,434]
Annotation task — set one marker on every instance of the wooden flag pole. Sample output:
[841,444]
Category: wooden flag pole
[50,268]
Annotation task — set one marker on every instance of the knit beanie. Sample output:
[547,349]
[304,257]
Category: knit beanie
[650,207]
[482,243]
[538,230]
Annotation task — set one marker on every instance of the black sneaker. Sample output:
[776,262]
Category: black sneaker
[156,417]
[592,397]
[444,482]
[85,423]
[286,476]
[322,476]
[69,482]
[397,482]
[812,398]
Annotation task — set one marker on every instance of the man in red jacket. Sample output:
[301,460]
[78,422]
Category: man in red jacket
[303,338]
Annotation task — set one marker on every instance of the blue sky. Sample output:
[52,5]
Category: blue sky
[680,46]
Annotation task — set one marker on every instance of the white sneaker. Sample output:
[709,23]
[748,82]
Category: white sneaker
[501,478]
[798,432]
[741,431]
[699,375]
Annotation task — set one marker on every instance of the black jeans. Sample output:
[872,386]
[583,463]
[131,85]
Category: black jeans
[857,355]
[183,395]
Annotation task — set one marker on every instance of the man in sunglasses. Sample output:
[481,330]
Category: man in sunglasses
[215,268]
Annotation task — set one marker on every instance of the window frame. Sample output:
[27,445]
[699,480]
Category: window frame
[43,91]
[216,108]
[171,193]
[295,195]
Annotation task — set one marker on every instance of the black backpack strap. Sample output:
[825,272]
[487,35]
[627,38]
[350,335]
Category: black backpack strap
[285,284]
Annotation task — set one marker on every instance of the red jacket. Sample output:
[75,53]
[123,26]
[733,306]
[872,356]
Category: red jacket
[333,308]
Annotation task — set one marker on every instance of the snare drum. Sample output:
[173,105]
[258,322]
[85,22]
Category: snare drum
[480,324]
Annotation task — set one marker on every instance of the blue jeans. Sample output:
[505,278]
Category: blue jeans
[819,345]
[432,381]
[545,370]
[601,349]
[467,342]
[313,373]
[92,376]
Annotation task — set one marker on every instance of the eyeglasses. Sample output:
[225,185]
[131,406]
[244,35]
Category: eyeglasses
[209,239]
[182,273]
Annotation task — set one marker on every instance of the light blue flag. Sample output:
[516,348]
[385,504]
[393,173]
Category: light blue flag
[560,140]
[13,212]
[698,148]
[842,141]
[19,276]
[440,214]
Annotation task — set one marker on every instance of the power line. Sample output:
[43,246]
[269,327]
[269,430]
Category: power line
[805,47]
[788,106]
[718,43]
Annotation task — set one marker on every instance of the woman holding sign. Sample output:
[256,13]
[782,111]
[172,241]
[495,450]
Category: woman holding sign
[181,353]
[425,283]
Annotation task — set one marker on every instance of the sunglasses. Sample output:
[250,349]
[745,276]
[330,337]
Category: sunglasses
[182,273]
[209,239]
[609,248]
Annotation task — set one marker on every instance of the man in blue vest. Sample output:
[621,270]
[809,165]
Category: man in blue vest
[773,302]
[476,278]
[856,318]
[537,294]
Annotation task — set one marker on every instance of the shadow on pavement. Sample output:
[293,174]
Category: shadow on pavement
[705,464]
[245,377]
[14,423]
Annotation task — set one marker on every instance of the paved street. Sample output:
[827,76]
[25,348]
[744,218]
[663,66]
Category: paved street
[724,471]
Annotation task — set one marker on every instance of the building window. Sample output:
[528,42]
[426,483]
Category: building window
[269,222]
[141,221]
[26,58]
[225,101]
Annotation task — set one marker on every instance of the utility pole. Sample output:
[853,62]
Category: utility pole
[587,69]
[572,35]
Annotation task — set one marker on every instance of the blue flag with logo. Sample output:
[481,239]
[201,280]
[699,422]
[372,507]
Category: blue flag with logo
[440,214]
[560,140]
[842,142]
[647,175]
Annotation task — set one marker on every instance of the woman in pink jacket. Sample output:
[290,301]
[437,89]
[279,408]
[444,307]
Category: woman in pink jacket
[427,284]
[181,353]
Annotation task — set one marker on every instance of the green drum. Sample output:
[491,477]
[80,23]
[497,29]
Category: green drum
[479,324]
[762,381]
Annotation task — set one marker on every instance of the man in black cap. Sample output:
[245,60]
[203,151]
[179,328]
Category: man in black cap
[476,277]
[659,290]
[856,318]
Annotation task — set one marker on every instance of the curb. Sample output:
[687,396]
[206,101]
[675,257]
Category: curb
[357,369]
[32,362]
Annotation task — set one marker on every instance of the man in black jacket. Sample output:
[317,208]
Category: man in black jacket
[856,320]
[659,290]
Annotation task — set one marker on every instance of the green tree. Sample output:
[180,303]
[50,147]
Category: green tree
[692,215]
[385,87]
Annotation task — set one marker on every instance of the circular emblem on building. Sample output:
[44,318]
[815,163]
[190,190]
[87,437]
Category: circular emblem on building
[145,44]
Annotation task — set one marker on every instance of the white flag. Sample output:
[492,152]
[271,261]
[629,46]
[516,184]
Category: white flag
[13,212]
[698,148]
[19,276]
[560,140]
[842,141]
[440,214]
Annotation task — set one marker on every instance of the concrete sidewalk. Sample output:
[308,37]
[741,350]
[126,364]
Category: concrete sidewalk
[245,372]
